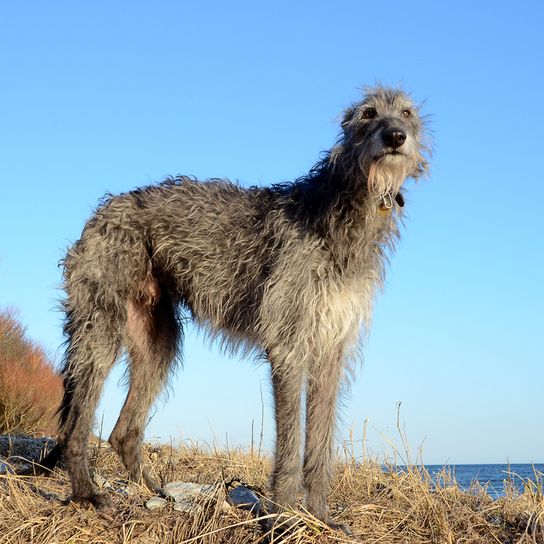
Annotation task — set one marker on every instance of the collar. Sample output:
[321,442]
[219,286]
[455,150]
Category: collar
[386,203]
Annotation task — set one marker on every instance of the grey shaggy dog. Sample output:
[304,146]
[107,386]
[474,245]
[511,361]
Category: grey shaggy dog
[288,271]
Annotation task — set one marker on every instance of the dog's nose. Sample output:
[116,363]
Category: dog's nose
[394,137]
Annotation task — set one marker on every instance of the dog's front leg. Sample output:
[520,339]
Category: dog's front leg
[323,383]
[287,474]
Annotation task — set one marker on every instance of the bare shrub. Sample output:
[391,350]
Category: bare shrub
[30,390]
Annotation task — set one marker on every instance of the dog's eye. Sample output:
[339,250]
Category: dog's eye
[406,113]
[369,113]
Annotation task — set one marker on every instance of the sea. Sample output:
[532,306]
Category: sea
[495,478]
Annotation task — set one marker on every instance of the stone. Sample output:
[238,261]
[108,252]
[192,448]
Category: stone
[20,448]
[156,503]
[187,495]
[187,490]
[6,469]
[189,506]
[100,481]
[243,497]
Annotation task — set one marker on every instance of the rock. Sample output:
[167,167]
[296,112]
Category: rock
[243,497]
[100,481]
[189,506]
[125,490]
[156,503]
[118,486]
[188,495]
[6,469]
[188,490]
[20,448]
[191,497]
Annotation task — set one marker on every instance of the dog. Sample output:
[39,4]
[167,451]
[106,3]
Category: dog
[287,271]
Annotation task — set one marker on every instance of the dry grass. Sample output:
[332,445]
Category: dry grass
[30,390]
[380,506]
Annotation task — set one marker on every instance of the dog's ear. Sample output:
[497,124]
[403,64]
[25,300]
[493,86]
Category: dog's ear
[347,118]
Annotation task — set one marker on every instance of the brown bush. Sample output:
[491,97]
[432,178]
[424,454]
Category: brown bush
[30,390]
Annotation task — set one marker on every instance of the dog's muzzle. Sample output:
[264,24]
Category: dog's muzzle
[393,137]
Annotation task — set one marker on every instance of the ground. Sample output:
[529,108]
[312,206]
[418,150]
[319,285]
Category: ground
[385,506]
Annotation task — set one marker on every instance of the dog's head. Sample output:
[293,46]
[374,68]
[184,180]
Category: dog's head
[383,138]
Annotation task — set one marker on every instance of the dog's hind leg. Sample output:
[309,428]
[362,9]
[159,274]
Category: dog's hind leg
[152,332]
[93,346]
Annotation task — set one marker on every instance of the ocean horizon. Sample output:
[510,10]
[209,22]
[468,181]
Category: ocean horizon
[496,478]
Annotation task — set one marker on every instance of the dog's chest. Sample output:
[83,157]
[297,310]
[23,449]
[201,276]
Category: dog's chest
[342,309]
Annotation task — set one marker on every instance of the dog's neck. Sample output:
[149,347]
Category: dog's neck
[356,181]
[329,198]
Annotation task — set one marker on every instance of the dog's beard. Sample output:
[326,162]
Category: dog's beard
[383,173]
[386,175]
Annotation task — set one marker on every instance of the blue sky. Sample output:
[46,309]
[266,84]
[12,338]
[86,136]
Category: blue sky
[105,96]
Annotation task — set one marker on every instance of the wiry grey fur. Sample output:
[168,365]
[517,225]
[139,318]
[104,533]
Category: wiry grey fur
[290,270]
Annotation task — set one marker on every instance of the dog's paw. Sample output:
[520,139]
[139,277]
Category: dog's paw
[101,502]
